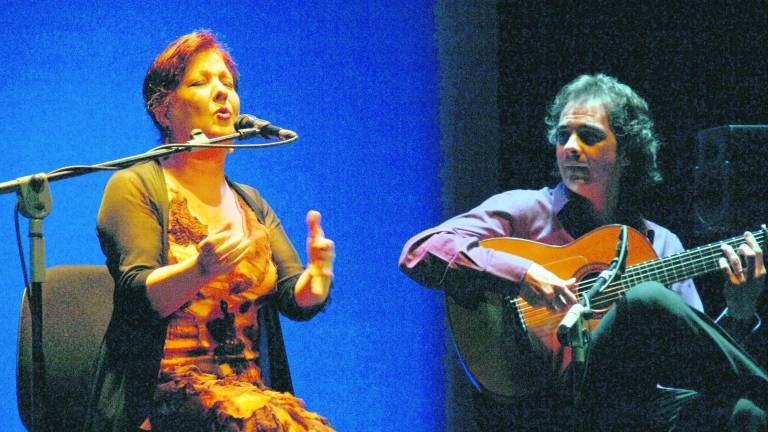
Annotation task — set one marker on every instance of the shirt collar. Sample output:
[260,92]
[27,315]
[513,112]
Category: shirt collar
[560,197]
[571,210]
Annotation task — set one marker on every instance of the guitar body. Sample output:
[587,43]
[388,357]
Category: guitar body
[509,348]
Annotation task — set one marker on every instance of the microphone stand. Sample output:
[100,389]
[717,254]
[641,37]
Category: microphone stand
[34,201]
[572,330]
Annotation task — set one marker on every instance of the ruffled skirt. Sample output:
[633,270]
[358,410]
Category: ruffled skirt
[187,399]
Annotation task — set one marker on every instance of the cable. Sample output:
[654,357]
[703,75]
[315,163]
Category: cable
[233,146]
[19,245]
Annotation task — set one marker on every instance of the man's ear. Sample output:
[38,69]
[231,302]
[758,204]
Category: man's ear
[624,161]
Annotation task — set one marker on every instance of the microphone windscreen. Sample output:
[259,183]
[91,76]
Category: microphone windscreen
[245,121]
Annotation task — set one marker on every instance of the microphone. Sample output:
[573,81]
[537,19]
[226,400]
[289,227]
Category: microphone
[572,317]
[250,126]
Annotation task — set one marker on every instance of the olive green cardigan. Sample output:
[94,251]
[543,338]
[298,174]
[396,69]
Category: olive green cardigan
[133,232]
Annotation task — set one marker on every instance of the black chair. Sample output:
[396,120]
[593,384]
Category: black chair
[77,305]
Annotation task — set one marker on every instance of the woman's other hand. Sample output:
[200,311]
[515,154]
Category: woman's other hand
[221,251]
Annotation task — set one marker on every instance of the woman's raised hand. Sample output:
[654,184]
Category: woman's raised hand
[320,250]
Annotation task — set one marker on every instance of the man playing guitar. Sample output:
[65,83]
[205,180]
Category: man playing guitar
[656,338]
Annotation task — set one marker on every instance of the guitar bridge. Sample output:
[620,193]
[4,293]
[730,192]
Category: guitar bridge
[517,315]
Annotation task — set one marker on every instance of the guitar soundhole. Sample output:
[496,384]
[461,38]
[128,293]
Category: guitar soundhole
[584,276]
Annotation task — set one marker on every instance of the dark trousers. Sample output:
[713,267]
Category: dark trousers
[652,337]
[547,412]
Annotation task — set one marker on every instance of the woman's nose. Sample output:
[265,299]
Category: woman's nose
[221,92]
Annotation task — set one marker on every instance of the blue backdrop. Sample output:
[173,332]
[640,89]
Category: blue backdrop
[357,80]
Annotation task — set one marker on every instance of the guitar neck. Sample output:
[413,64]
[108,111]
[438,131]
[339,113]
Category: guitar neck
[684,265]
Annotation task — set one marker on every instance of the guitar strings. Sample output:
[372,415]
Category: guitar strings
[690,268]
[537,315]
[616,290]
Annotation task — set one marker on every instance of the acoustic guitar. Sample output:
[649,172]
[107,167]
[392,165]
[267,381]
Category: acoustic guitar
[510,349]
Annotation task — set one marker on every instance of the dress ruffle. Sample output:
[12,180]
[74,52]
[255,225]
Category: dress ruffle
[192,400]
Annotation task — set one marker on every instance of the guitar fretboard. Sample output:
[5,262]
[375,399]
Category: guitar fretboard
[674,268]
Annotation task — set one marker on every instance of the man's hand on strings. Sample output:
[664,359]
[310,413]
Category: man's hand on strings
[745,270]
[541,287]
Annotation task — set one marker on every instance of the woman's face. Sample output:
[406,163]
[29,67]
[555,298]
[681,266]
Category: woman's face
[205,98]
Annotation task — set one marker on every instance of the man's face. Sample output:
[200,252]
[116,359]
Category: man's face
[586,150]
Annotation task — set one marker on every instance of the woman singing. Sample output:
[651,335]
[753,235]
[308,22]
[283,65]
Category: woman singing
[201,264]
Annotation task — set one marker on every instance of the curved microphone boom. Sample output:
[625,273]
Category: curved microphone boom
[250,126]
[570,328]
[615,268]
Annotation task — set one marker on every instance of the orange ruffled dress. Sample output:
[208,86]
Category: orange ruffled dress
[209,378]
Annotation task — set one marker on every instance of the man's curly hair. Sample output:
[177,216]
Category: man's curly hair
[630,120]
